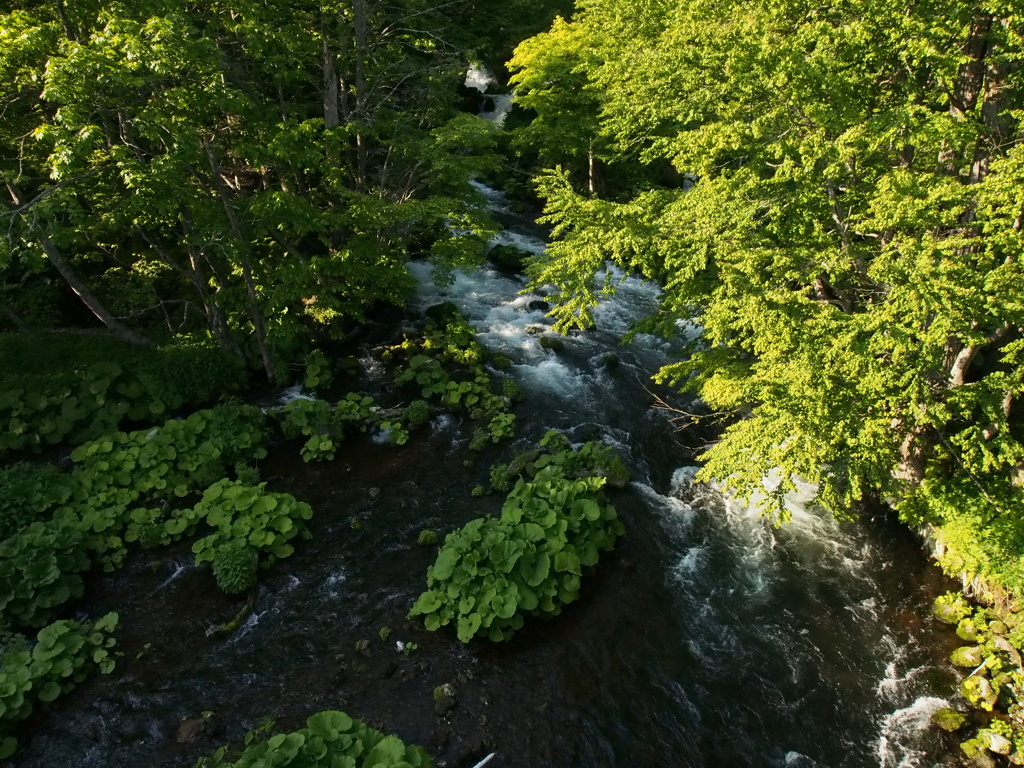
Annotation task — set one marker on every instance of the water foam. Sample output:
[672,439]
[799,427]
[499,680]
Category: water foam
[899,743]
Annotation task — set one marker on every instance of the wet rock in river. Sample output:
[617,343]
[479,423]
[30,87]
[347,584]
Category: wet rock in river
[192,729]
[508,258]
[444,699]
[554,343]
[948,719]
[968,656]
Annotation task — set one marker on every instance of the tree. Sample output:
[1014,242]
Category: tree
[268,184]
[851,247]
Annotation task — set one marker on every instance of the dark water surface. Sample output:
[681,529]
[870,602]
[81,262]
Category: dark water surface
[707,639]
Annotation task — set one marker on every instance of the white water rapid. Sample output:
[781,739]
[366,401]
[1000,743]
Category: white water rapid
[800,646]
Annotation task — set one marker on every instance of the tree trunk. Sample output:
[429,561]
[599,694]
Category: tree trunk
[361,55]
[250,285]
[81,290]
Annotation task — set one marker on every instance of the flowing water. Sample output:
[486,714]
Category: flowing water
[708,638]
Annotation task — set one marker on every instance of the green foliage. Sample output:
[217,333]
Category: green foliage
[234,567]
[511,391]
[319,375]
[850,245]
[215,195]
[120,471]
[52,391]
[446,366]
[246,474]
[248,520]
[323,424]
[530,560]
[40,570]
[64,653]
[29,493]
[330,739]
[417,413]
[499,479]
[395,431]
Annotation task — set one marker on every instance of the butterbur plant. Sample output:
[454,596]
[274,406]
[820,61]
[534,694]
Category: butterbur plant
[318,371]
[530,560]
[39,571]
[248,519]
[63,655]
[329,740]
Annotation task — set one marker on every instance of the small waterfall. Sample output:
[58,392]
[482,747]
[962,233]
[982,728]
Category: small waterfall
[493,107]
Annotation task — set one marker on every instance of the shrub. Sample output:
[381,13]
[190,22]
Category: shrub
[446,366]
[234,567]
[63,655]
[530,560]
[319,375]
[417,414]
[323,424]
[30,493]
[329,739]
[53,389]
[119,471]
[39,571]
[245,518]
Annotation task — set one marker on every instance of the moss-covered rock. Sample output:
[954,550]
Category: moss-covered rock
[996,742]
[969,630]
[951,608]
[968,656]
[979,692]
[948,719]
[554,343]
[508,258]
[443,312]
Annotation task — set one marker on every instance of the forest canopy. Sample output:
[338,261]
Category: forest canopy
[835,193]
[254,173]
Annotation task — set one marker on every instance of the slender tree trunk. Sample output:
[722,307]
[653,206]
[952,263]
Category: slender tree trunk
[250,285]
[81,290]
[69,30]
[361,54]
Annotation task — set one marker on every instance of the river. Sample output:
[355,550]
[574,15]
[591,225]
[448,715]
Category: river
[709,638]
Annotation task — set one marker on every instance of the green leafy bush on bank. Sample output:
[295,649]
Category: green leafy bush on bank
[30,493]
[245,521]
[120,472]
[64,653]
[325,424]
[40,570]
[329,740]
[530,560]
[54,388]
[121,490]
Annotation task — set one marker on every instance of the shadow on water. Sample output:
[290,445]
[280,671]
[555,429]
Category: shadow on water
[707,639]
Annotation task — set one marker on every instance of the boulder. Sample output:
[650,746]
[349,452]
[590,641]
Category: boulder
[508,258]
[554,343]
[948,719]
[968,656]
